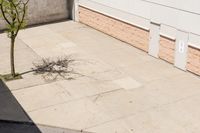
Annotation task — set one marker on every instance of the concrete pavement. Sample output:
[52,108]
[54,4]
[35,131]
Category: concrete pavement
[123,90]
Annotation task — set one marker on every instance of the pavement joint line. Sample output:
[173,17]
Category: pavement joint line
[36,85]
[122,117]
[27,87]
[142,111]
[46,83]
[166,78]
[30,48]
[76,99]
[72,100]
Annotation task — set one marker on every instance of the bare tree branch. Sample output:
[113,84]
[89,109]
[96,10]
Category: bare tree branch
[52,69]
[3,13]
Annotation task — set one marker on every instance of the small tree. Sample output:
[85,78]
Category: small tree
[13,12]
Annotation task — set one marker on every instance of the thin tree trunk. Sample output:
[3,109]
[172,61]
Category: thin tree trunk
[12,59]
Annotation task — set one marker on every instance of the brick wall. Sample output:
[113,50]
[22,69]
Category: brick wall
[123,31]
[167,49]
[193,62]
[137,37]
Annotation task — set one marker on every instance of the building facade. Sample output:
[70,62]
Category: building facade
[165,29]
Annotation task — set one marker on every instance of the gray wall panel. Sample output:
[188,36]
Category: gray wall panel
[42,11]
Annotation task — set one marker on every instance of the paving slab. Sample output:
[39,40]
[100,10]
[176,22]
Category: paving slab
[78,114]
[128,83]
[119,89]
[116,126]
[46,95]
[85,89]
[172,118]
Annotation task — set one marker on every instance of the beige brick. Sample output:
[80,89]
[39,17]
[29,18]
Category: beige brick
[167,49]
[131,34]
[193,61]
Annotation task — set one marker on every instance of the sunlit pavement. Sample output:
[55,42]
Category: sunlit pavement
[123,90]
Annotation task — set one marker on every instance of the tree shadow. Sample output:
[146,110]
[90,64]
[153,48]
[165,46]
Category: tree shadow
[53,69]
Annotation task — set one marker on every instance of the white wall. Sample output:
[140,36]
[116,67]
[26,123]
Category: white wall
[171,14]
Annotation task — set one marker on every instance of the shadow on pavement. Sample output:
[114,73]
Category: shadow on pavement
[18,127]
[13,118]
